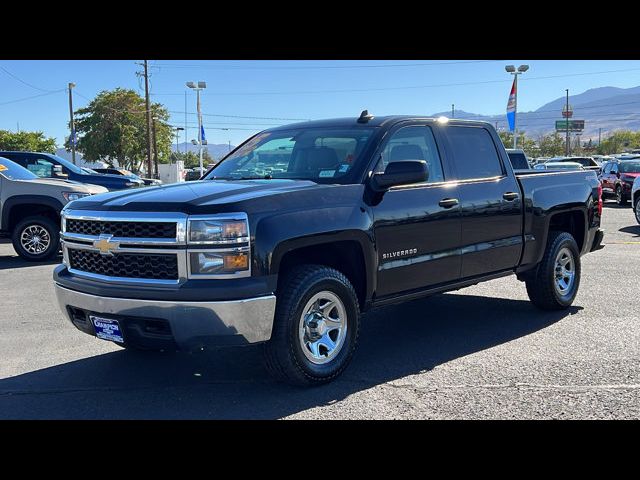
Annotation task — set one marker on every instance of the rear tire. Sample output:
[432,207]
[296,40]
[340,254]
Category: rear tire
[315,329]
[36,239]
[636,209]
[620,200]
[554,283]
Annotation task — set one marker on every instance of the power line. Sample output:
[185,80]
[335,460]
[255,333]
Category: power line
[318,67]
[240,116]
[33,96]
[15,77]
[411,87]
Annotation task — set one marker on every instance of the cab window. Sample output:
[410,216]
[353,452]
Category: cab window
[413,143]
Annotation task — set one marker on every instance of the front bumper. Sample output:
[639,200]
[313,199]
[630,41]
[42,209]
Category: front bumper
[184,324]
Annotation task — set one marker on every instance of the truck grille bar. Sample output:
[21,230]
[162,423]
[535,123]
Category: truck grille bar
[110,246]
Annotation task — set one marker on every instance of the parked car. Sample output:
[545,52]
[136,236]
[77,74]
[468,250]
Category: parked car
[617,178]
[558,166]
[47,165]
[367,213]
[192,174]
[129,174]
[518,159]
[635,197]
[30,209]
[587,162]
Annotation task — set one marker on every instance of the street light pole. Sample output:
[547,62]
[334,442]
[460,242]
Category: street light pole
[568,147]
[453,110]
[512,70]
[73,126]
[197,88]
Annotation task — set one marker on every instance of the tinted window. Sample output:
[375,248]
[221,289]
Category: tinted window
[40,166]
[518,161]
[474,152]
[585,162]
[413,143]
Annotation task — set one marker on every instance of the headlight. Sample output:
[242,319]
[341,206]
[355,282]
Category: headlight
[132,184]
[215,263]
[70,196]
[220,229]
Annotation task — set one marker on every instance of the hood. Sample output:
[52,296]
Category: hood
[68,185]
[203,196]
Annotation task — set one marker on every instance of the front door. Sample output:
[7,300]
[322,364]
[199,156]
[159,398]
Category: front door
[417,234]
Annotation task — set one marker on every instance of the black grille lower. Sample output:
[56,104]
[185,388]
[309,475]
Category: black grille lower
[127,265]
[123,229]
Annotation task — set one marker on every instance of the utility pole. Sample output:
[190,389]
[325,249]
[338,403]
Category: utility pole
[229,145]
[155,148]
[72,138]
[453,111]
[147,102]
[568,147]
[186,136]
[599,135]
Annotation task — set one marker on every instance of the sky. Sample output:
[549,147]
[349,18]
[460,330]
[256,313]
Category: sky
[33,93]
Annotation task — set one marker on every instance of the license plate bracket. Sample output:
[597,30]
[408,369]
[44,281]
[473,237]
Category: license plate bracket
[107,328]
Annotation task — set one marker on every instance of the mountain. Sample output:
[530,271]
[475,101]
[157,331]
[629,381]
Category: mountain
[605,108]
[217,150]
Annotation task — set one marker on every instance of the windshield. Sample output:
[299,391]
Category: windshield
[69,165]
[323,155]
[13,171]
[585,162]
[629,167]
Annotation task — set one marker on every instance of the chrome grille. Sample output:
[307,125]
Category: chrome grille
[122,229]
[125,265]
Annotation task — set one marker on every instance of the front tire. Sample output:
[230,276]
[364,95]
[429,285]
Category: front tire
[316,326]
[636,209]
[620,200]
[554,283]
[36,239]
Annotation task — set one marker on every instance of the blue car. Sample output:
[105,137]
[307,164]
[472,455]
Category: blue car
[47,165]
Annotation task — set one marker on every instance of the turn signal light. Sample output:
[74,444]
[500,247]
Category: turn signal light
[236,262]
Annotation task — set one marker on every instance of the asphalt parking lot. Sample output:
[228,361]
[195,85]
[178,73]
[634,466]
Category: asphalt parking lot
[481,353]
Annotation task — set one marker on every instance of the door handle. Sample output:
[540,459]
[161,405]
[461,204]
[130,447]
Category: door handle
[510,196]
[448,202]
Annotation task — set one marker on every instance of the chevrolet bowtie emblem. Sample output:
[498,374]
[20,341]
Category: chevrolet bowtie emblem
[105,245]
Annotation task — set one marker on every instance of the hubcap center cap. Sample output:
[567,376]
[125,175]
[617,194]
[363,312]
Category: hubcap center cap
[316,326]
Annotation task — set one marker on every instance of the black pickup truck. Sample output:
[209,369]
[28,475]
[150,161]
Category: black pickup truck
[303,227]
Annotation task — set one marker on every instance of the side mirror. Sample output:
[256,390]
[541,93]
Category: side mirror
[404,172]
[58,173]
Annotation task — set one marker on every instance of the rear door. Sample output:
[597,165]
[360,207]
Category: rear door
[417,232]
[489,194]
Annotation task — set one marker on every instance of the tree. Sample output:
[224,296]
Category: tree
[27,141]
[551,145]
[113,127]
[525,143]
[619,141]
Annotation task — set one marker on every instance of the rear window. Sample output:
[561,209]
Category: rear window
[518,161]
[474,153]
[630,167]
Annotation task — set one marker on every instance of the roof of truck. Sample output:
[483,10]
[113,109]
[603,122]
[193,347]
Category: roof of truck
[375,121]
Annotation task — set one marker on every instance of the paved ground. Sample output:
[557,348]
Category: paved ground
[483,352]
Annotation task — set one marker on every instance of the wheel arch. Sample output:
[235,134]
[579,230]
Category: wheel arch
[21,206]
